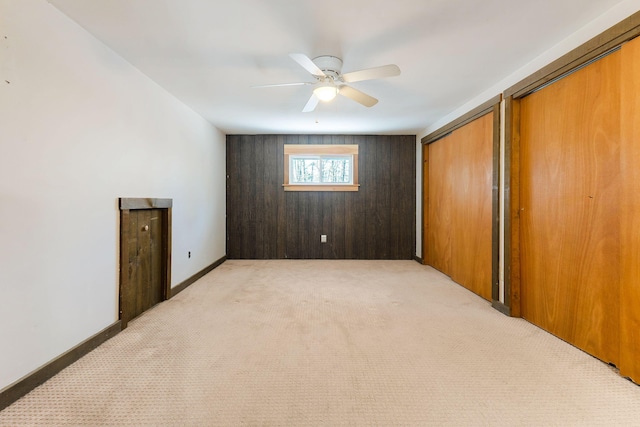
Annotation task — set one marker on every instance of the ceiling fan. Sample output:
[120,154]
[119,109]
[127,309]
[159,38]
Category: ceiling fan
[327,70]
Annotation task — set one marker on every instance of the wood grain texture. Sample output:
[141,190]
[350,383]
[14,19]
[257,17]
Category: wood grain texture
[495,207]
[128,287]
[472,195]
[233,198]
[167,236]
[156,291]
[512,282]
[441,164]
[370,183]
[425,203]
[270,179]
[460,222]
[630,213]
[318,146]
[145,285]
[376,222]
[256,185]
[124,272]
[142,258]
[145,256]
[383,196]
[569,198]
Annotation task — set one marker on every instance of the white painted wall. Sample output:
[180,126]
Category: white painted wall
[80,127]
[616,14]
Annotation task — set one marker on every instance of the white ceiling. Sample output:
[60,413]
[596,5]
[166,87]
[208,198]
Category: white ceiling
[209,53]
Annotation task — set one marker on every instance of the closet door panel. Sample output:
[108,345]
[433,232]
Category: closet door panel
[439,208]
[471,201]
[569,218]
[630,213]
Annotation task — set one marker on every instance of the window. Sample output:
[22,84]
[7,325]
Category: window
[321,167]
[305,169]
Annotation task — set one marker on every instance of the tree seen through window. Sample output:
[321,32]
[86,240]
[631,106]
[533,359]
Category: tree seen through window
[318,169]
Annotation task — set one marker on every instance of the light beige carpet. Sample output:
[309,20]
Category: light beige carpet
[330,343]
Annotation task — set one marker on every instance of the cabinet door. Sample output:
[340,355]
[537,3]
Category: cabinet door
[144,287]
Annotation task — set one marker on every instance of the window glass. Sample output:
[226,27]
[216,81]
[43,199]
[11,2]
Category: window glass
[320,167]
[337,170]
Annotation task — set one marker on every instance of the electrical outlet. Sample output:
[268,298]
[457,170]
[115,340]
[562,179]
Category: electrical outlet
[323,238]
[189,254]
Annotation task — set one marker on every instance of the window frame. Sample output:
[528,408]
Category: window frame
[326,151]
[321,159]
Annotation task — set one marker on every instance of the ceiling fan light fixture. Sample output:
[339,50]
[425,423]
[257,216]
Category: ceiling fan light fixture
[326,92]
[329,80]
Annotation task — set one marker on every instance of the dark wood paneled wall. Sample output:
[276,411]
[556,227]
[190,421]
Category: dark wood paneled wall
[376,222]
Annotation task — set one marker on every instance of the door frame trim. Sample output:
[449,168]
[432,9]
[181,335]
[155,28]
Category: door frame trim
[125,206]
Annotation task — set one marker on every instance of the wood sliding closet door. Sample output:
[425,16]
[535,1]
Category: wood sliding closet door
[630,213]
[460,204]
[471,213]
[441,164]
[569,208]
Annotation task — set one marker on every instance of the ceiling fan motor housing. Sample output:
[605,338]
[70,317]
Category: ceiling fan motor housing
[330,65]
[327,70]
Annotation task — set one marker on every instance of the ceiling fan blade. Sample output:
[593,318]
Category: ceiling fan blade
[284,84]
[383,71]
[356,95]
[307,64]
[311,104]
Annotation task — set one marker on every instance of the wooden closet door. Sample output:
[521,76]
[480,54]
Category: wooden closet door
[459,209]
[144,287]
[569,199]
[439,209]
[630,213]
[472,203]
